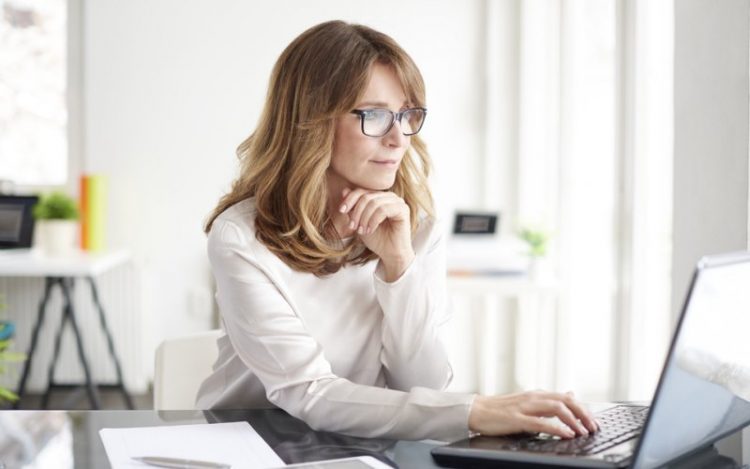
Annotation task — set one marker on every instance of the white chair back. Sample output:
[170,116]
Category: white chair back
[181,366]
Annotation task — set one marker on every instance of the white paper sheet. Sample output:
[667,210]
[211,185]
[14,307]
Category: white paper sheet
[234,443]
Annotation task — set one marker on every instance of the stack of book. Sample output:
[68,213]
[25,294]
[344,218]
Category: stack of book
[93,211]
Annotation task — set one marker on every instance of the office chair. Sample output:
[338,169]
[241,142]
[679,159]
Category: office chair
[181,366]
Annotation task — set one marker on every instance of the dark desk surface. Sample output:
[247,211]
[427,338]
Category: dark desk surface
[290,438]
[73,437]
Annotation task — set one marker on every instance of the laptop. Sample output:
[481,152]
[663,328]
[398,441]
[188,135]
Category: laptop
[703,394]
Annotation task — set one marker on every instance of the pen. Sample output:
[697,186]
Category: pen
[180,463]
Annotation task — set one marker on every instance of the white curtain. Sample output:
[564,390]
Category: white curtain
[579,133]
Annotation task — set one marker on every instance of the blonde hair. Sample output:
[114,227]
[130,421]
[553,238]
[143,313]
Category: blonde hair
[319,77]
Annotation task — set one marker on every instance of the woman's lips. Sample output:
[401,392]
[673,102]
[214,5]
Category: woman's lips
[385,162]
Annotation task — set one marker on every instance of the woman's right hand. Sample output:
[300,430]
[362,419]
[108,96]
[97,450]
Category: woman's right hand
[526,412]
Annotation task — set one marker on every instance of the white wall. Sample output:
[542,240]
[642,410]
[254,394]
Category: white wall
[711,138]
[711,133]
[172,87]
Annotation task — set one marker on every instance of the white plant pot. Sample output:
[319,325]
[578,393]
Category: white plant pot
[57,238]
[540,270]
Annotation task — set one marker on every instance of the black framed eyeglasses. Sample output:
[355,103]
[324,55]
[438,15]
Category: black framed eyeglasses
[378,122]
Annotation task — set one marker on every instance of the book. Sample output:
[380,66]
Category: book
[93,207]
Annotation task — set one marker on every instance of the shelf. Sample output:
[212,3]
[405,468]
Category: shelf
[515,285]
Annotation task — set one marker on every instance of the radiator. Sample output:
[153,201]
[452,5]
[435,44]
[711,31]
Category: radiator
[119,293]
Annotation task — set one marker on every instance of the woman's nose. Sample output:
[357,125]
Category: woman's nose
[395,136]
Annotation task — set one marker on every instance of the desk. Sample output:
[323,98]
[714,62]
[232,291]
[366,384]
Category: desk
[63,272]
[75,435]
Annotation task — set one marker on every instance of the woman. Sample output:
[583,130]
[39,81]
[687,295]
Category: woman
[329,265]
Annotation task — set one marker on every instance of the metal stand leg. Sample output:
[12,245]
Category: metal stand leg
[68,314]
[53,363]
[120,382]
[92,392]
[34,336]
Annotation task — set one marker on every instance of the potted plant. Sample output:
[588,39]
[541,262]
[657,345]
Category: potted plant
[57,221]
[7,356]
[538,241]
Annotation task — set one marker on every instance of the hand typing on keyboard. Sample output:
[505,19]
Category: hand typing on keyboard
[619,424]
[525,412]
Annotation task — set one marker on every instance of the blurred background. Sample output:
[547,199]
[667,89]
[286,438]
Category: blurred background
[618,129]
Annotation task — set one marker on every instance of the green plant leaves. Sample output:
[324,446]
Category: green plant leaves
[7,395]
[537,241]
[7,356]
[56,206]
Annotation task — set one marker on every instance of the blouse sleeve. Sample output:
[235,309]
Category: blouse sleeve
[271,339]
[414,307]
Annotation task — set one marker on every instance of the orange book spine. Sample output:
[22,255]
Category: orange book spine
[84,212]
[96,191]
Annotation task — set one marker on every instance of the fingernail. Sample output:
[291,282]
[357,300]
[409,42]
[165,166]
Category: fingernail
[351,225]
[360,230]
[570,433]
[342,209]
[369,230]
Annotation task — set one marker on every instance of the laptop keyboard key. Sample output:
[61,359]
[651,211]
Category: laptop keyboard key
[618,424]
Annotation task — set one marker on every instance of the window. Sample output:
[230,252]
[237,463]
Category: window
[33,92]
[594,159]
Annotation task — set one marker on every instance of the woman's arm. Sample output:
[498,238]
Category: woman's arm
[414,307]
[410,286]
[272,341]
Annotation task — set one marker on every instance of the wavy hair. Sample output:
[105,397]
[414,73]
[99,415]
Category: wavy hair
[319,77]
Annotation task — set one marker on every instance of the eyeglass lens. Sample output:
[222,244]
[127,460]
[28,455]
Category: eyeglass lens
[377,122]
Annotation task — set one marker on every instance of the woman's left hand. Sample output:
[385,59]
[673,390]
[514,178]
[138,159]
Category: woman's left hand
[382,221]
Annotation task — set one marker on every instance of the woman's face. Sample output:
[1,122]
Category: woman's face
[359,161]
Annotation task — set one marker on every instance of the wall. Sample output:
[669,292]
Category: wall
[172,87]
[711,137]
[711,134]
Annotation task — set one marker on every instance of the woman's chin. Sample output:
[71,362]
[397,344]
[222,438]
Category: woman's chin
[377,187]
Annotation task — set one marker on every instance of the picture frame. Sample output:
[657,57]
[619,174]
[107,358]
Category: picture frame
[17,221]
[475,223]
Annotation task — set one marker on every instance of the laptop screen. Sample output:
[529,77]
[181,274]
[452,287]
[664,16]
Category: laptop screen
[704,392]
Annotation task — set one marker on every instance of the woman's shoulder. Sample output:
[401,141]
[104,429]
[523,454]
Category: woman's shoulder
[235,225]
[232,243]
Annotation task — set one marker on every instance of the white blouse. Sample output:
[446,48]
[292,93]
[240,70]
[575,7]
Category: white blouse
[347,353]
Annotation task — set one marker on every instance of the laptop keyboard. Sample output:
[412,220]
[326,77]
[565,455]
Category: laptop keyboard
[617,424]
